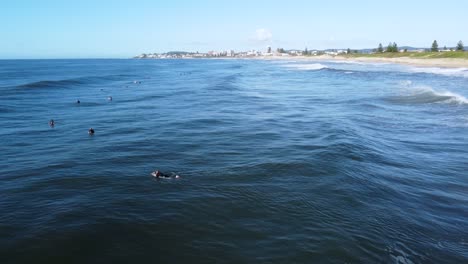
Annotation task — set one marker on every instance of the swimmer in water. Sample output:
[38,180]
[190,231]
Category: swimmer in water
[51,123]
[78,101]
[91,131]
[109,98]
[157,174]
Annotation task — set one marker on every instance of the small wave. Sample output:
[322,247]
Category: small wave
[43,84]
[456,72]
[234,67]
[73,81]
[307,67]
[427,95]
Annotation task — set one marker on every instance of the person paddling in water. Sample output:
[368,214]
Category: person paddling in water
[157,174]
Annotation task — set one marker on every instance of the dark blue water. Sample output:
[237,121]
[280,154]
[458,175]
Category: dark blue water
[280,162]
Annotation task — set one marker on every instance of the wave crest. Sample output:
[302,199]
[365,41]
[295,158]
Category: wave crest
[43,84]
[73,81]
[455,72]
[427,95]
[307,67]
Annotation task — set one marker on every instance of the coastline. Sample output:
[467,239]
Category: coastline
[434,62]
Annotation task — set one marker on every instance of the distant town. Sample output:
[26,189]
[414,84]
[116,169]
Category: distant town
[241,54]
[280,52]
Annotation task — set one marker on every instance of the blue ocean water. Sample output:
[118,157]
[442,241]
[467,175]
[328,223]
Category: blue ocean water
[280,162]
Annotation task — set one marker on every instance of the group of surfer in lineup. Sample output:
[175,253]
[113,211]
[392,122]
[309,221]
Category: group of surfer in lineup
[156,174]
[91,130]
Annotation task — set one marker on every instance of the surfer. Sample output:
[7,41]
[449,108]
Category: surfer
[109,98]
[78,101]
[51,123]
[157,174]
[91,131]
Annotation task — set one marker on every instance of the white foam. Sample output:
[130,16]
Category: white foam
[454,98]
[458,72]
[424,93]
[406,83]
[307,67]
[355,62]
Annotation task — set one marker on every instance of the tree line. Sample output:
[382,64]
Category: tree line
[435,46]
[393,47]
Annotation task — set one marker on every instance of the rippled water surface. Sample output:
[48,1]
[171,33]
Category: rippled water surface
[280,162]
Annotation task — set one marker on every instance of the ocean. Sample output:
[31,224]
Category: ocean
[279,162]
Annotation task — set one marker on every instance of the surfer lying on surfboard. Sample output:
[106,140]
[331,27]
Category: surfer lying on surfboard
[158,174]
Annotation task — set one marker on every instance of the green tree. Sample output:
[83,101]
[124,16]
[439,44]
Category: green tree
[435,46]
[389,47]
[348,51]
[380,48]
[392,47]
[306,52]
[460,46]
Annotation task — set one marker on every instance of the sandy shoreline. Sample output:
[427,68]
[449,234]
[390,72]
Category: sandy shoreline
[442,63]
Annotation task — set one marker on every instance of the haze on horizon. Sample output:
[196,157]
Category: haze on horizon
[121,29]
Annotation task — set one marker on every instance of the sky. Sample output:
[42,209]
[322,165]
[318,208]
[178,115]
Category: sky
[121,29]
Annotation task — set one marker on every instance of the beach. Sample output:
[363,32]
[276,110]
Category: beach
[442,62]
[439,62]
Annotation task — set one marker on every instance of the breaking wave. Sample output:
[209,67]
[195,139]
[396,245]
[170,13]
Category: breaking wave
[427,95]
[456,72]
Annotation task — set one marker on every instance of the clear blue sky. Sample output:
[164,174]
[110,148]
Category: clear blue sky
[104,28]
